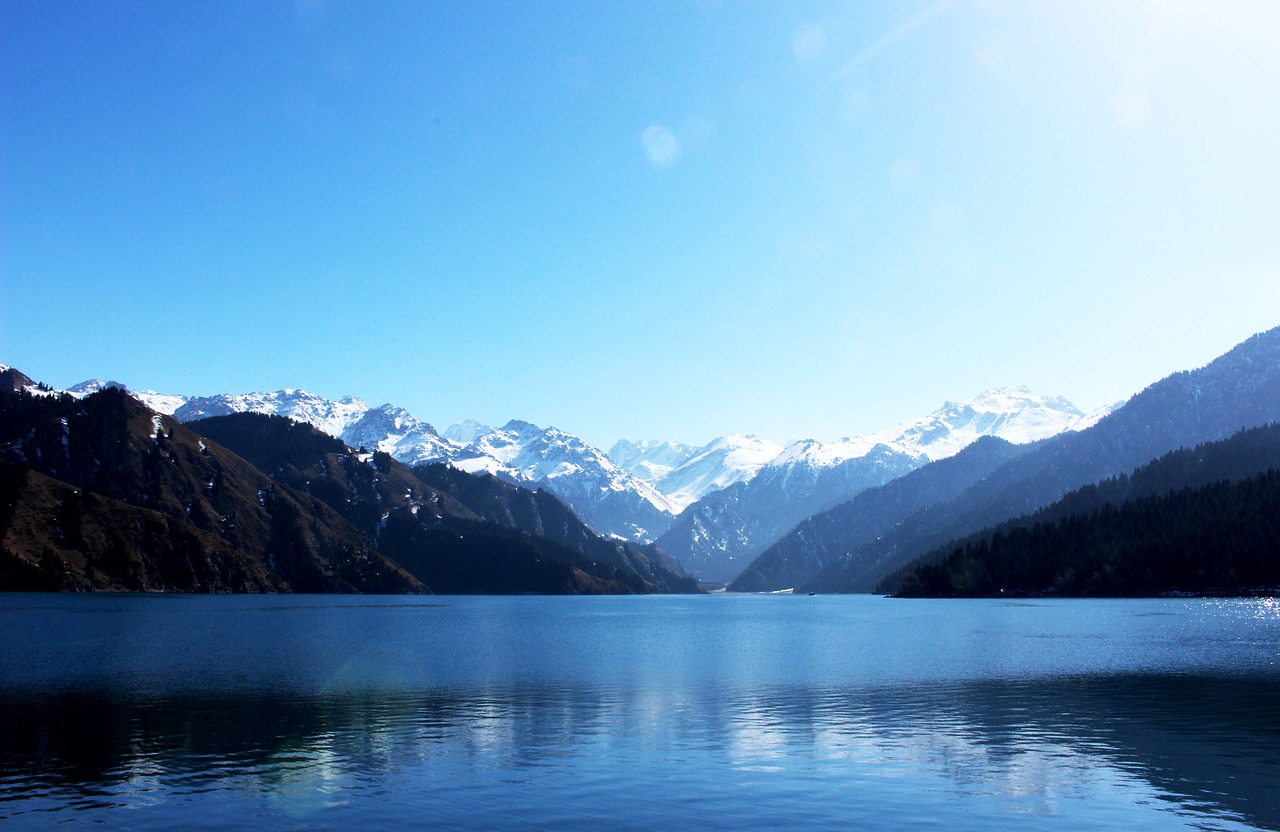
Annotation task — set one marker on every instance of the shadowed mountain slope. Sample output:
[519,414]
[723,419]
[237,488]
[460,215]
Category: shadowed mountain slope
[106,451]
[818,541]
[462,537]
[1199,519]
[1238,390]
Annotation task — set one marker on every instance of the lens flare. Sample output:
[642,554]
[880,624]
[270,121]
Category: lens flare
[661,146]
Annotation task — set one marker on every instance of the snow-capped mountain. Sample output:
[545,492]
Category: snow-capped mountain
[324,414]
[687,475]
[1014,414]
[159,402]
[384,428]
[649,460]
[603,494]
[398,432]
[720,534]
[637,494]
[466,431]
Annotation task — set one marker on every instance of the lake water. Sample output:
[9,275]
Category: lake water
[719,712]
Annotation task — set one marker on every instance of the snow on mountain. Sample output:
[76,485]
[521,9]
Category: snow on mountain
[15,380]
[601,492]
[650,460]
[324,414]
[398,432]
[597,488]
[159,402]
[1014,414]
[1093,417]
[725,530]
[466,431]
[718,464]
[384,428]
[93,385]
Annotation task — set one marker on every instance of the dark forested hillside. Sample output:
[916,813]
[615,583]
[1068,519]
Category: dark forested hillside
[1196,519]
[1240,389]
[820,540]
[451,530]
[101,493]
[59,537]
[543,514]
[1217,538]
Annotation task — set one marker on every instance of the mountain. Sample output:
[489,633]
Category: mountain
[332,417]
[614,500]
[395,431]
[686,475]
[100,492]
[466,431]
[1014,414]
[1202,519]
[16,381]
[542,513]
[423,526]
[1238,390]
[103,493]
[159,402]
[607,497]
[721,534]
[819,540]
[599,490]
[650,460]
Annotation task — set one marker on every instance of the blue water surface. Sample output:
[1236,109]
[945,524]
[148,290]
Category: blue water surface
[724,712]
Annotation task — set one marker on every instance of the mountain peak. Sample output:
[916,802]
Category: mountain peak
[12,379]
[93,385]
[1020,397]
[466,431]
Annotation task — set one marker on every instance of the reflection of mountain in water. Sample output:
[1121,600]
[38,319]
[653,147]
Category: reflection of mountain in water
[1200,746]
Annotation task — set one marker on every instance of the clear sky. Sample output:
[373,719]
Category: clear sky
[638,219]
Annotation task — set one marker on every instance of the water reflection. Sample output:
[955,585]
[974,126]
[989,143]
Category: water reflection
[1094,747]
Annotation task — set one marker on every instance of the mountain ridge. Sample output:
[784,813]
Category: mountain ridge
[101,492]
[676,477]
[1239,389]
[721,535]
[1194,519]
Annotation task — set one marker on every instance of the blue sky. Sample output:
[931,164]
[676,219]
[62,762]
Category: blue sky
[642,220]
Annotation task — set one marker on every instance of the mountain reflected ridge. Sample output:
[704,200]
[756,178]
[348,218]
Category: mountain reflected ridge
[745,744]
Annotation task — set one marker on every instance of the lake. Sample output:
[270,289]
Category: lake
[720,712]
